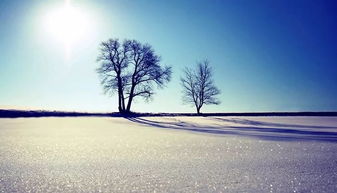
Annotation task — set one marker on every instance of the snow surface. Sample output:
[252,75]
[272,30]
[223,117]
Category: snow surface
[169,154]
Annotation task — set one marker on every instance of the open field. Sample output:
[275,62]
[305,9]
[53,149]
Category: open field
[169,154]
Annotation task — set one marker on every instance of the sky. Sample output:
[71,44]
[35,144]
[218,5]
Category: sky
[266,55]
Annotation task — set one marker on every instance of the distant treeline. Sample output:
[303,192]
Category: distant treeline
[27,113]
[23,113]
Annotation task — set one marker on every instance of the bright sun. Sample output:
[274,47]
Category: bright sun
[67,24]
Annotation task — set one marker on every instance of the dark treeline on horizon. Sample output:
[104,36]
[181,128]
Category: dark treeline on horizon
[4,113]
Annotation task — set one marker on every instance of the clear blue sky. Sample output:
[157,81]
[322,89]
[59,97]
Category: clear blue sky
[266,55]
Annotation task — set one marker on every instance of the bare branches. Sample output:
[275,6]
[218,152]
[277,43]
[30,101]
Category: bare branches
[132,69]
[146,72]
[198,86]
[113,58]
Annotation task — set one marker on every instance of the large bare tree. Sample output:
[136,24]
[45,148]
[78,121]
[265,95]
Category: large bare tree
[198,86]
[132,69]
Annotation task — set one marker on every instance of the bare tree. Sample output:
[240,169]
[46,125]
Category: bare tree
[198,86]
[133,69]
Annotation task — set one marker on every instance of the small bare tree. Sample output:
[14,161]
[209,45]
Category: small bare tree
[132,69]
[198,86]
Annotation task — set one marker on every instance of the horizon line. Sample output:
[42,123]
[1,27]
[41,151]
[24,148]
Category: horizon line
[12,113]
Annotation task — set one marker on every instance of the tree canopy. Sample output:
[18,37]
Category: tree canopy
[131,69]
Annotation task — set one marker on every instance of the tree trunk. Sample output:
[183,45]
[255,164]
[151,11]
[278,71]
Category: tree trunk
[121,103]
[128,108]
[198,110]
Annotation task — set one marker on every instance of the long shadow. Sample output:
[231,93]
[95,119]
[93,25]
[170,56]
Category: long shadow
[266,133]
[269,124]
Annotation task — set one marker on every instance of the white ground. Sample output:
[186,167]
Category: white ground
[169,154]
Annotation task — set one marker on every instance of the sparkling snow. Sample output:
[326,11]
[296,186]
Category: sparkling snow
[169,154]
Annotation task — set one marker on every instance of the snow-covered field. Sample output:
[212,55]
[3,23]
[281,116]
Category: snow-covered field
[169,154]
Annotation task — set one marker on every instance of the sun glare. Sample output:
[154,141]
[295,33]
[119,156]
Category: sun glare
[67,24]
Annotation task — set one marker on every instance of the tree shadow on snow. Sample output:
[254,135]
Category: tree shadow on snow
[269,124]
[255,129]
